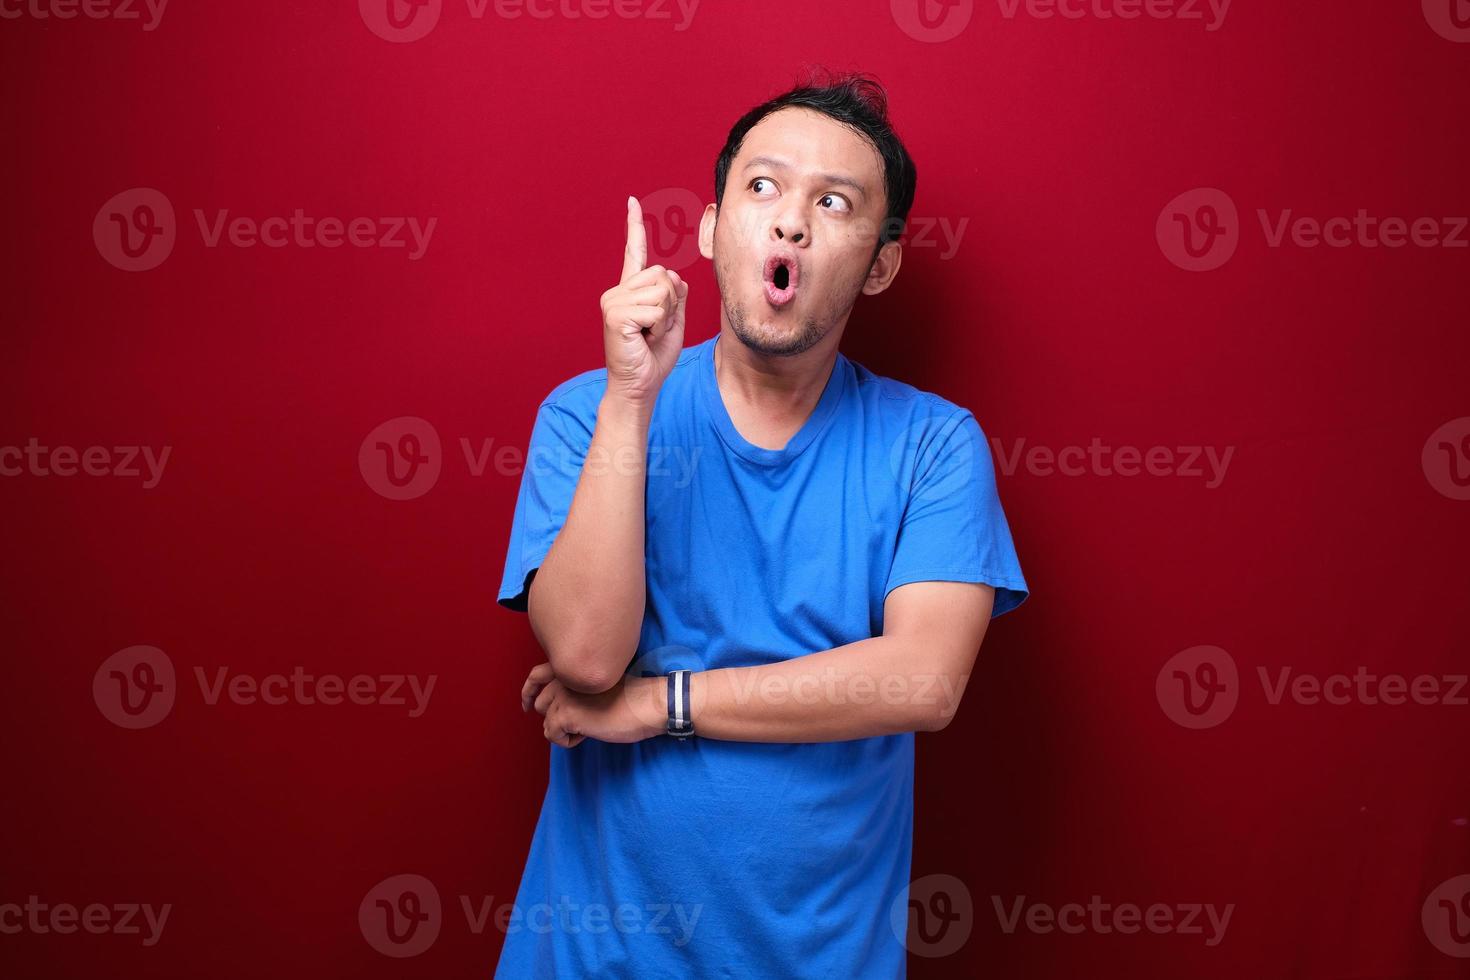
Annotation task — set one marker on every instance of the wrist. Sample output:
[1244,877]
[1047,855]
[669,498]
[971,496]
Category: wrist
[679,703]
[697,681]
[652,701]
[626,414]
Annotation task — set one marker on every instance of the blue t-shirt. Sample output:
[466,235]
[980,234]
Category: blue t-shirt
[706,858]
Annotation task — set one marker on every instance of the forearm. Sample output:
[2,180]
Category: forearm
[587,600]
[878,686]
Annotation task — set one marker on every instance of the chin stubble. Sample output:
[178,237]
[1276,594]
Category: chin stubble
[808,337]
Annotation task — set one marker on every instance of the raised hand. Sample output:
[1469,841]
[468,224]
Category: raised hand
[642,320]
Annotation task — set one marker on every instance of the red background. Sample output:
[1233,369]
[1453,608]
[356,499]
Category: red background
[1058,319]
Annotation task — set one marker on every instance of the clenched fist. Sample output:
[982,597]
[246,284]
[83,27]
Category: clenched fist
[634,709]
[642,320]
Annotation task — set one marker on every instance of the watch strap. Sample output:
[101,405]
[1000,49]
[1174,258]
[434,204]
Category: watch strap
[680,725]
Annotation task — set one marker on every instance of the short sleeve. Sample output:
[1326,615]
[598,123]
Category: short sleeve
[559,444]
[953,528]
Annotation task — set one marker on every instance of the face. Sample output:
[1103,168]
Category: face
[793,240]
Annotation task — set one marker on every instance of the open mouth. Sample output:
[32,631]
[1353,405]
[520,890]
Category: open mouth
[781,278]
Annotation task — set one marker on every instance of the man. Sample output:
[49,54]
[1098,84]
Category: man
[762,541]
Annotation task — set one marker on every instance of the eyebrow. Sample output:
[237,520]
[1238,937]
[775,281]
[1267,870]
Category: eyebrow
[775,163]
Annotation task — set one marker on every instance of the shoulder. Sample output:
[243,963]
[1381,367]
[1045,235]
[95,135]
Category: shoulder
[578,394]
[934,445]
[917,414]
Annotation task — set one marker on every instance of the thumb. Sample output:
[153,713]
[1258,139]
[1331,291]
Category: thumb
[681,297]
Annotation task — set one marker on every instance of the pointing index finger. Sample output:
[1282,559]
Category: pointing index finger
[635,254]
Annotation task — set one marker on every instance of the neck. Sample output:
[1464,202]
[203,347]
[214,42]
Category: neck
[777,387]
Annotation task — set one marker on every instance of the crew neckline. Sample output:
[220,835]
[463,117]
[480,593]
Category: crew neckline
[822,412]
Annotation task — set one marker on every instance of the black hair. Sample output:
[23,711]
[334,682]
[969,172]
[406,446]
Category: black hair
[859,102]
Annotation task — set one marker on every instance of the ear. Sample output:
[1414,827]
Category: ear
[885,268]
[707,231]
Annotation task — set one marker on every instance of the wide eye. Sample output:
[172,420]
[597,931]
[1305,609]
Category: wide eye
[835,202]
[763,187]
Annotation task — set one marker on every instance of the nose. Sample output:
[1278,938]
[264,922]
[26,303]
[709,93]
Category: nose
[791,226]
